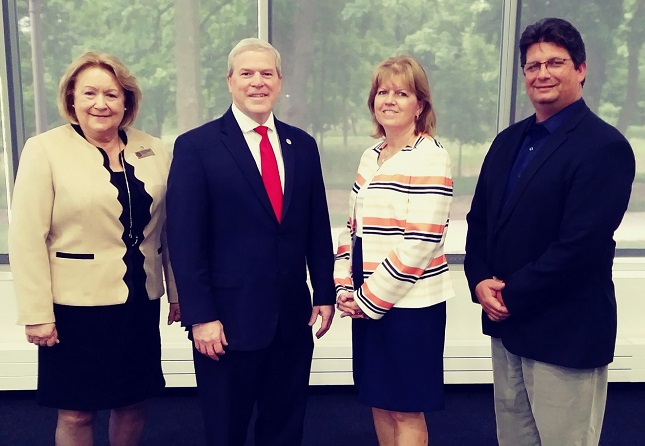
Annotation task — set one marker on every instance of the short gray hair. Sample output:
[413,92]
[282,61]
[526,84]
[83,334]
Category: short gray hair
[251,44]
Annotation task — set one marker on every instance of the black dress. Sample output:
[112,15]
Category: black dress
[108,356]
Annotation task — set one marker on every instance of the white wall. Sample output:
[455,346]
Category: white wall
[467,356]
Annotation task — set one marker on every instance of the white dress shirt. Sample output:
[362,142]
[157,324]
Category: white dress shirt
[253,138]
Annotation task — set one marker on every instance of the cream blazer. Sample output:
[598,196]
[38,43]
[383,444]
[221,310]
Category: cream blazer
[65,241]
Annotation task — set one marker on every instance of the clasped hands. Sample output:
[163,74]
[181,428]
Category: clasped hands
[489,294]
[346,304]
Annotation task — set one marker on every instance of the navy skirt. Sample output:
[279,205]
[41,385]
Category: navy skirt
[398,359]
[108,356]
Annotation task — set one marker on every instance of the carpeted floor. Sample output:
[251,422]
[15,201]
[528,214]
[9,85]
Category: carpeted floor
[334,418]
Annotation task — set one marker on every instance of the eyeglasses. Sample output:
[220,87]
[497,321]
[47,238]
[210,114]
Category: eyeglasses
[553,66]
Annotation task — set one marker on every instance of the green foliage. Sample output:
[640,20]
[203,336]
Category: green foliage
[224,23]
[139,33]
[142,34]
[457,41]
[605,27]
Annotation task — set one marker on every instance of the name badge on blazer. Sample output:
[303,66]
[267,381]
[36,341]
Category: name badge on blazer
[144,152]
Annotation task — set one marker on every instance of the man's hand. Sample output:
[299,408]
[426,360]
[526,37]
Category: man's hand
[327,314]
[44,335]
[174,313]
[489,294]
[209,339]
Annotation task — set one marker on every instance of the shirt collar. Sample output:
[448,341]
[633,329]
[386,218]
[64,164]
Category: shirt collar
[247,124]
[560,117]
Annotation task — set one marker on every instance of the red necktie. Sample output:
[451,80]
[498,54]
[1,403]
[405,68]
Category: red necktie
[270,174]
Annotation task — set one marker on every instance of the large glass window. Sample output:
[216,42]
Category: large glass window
[177,49]
[329,50]
[613,34]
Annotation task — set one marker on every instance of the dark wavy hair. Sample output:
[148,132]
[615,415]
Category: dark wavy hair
[557,31]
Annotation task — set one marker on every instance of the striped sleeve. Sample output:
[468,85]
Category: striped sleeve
[342,264]
[419,251]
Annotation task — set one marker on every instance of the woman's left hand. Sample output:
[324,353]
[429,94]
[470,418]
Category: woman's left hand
[174,315]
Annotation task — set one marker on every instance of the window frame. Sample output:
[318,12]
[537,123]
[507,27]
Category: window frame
[13,131]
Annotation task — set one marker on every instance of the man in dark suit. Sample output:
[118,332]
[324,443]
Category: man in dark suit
[247,216]
[539,252]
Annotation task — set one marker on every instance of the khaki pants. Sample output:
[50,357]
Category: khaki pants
[539,404]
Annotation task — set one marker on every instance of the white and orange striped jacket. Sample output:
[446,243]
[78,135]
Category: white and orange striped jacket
[405,211]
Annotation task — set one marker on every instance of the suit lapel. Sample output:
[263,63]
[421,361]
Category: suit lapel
[553,142]
[550,145]
[289,159]
[234,142]
[505,163]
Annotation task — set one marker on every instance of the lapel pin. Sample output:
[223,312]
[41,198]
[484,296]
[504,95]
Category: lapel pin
[288,141]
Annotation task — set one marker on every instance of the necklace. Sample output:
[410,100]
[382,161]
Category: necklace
[386,155]
[134,239]
[387,151]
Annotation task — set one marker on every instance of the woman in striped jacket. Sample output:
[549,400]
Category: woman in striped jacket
[391,273]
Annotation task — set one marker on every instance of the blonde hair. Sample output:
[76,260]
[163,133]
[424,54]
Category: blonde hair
[254,44]
[412,75]
[113,65]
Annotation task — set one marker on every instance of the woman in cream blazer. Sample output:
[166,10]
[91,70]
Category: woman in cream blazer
[87,253]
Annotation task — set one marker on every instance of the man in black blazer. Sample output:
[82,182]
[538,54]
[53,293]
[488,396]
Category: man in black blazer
[241,250]
[539,251]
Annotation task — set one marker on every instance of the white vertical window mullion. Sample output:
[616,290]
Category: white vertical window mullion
[508,68]
[263,20]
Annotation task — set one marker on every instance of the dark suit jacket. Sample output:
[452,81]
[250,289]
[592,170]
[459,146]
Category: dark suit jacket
[552,244]
[235,262]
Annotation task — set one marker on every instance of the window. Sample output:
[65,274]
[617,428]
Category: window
[6,155]
[177,49]
[329,50]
